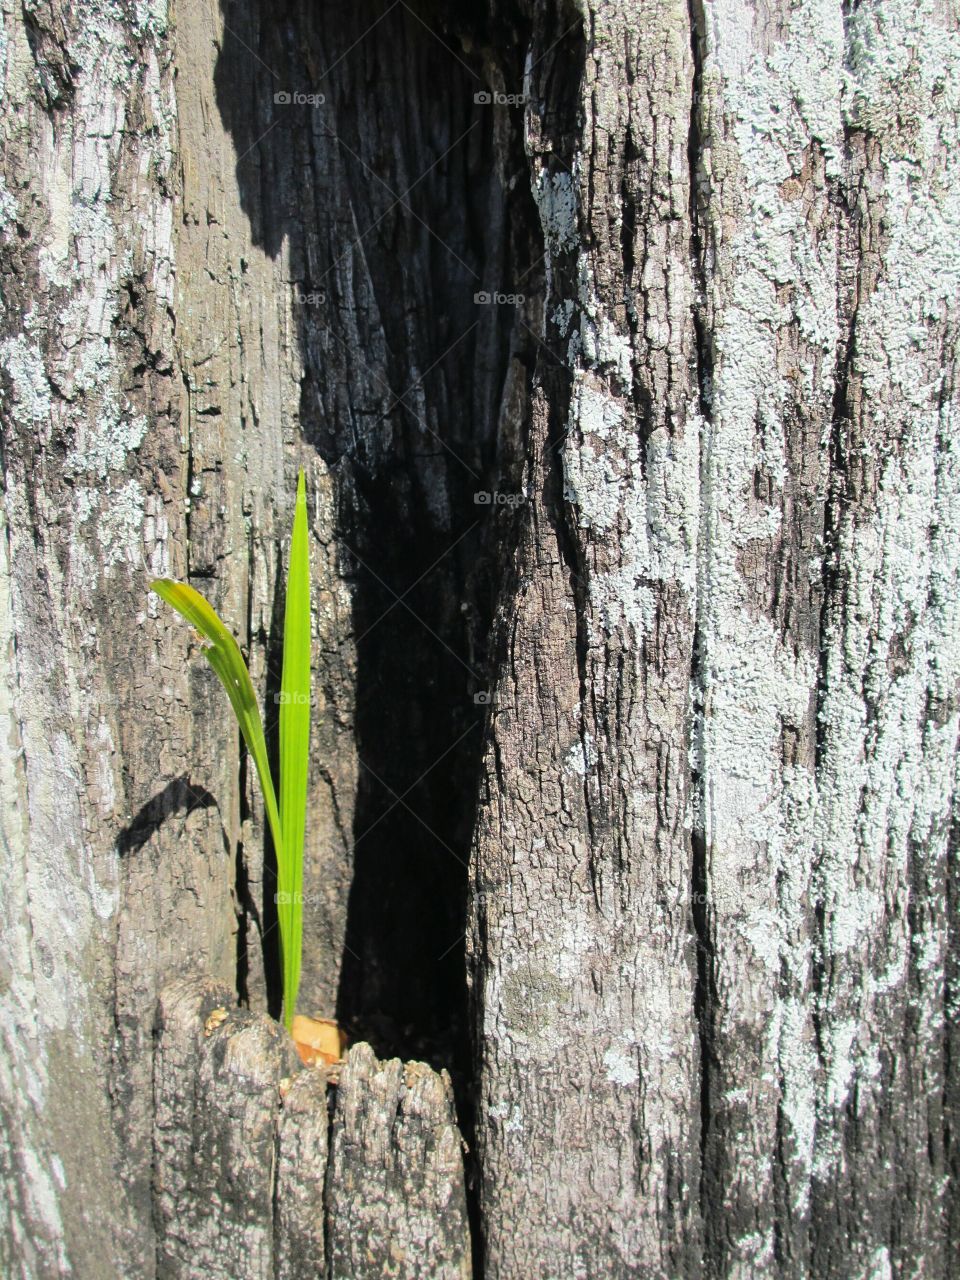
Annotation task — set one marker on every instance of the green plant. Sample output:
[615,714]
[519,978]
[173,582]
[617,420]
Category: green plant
[287,821]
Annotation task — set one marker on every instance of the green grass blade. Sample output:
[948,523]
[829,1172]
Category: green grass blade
[288,821]
[294,748]
[223,654]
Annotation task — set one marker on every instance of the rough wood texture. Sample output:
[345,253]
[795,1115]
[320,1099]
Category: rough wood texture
[217,1105]
[712,846]
[584,950]
[242,1182]
[712,808]
[301,1174]
[396,1174]
[114,855]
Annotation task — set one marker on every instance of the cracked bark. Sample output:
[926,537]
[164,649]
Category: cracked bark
[710,810]
[245,1181]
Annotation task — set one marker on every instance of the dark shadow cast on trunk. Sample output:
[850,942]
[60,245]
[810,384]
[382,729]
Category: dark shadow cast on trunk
[374,154]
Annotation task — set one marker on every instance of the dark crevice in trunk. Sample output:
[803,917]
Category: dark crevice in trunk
[557,383]
[832,584]
[710,1195]
[270,925]
[245,916]
[247,912]
[835,1218]
[951,1036]
[831,606]
[327,1191]
[951,988]
[401,203]
[705,1002]
[187,549]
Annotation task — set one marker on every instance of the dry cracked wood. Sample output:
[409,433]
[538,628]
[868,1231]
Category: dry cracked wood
[217,1106]
[243,1186]
[395,1194]
[301,1175]
[713,902]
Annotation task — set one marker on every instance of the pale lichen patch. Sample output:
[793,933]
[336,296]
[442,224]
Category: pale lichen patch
[120,526]
[620,1065]
[28,377]
[642,507]
[556,199]
[8,208]
[104,446]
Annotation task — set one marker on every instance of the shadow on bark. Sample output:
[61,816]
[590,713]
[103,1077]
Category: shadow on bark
[396,200]
[179,797]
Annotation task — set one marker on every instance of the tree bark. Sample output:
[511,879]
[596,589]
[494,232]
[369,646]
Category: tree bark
[619,344]
[257,1172]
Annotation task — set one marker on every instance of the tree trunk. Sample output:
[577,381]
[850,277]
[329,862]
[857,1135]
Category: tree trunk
[619,345]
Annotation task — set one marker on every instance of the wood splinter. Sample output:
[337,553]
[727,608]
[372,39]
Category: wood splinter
[318,1040]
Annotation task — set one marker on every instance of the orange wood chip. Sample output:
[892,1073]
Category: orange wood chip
[216,1019]
[318,1040]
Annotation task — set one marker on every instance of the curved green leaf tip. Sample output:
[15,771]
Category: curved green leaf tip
[288,821]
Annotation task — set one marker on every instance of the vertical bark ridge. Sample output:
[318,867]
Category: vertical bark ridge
[583,954]
[768,127]
[888,705]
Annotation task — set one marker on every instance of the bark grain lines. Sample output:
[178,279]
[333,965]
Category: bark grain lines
[256,1175]
[584,951]
[710,811]
[784,546]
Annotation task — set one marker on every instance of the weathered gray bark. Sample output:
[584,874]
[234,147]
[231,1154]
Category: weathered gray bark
[217,1103]
[395,1193]
[711,813]
[245,1182]
[712,847]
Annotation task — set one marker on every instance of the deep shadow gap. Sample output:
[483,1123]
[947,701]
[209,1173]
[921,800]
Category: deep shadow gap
[401,203]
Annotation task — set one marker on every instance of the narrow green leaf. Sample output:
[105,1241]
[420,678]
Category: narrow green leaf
[223,654]
[294,748]
[288,821]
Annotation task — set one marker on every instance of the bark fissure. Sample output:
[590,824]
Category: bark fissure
[705,993]
[704,998]
[637,593]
